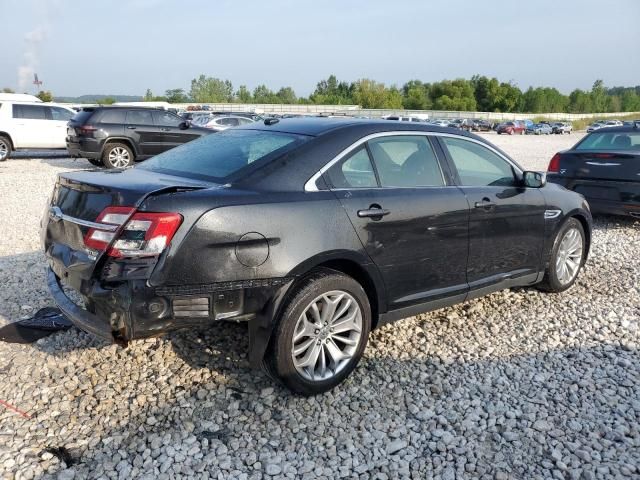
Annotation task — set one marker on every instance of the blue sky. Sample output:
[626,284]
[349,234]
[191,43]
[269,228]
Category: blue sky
[125,47]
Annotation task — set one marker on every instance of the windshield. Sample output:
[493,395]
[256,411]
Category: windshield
[218,156]
[603,140]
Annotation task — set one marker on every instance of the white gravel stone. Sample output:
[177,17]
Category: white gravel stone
[519,384]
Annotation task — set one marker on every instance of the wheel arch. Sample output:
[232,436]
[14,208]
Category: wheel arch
[125,140]
[8,136]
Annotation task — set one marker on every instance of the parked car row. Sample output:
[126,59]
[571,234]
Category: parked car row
[598,124]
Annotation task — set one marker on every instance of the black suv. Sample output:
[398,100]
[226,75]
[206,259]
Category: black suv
[117,136]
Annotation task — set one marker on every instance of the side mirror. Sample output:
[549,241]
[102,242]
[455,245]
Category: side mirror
[534,179]
[184,125]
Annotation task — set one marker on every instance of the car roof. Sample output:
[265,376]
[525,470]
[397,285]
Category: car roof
[316,126]
[619,129]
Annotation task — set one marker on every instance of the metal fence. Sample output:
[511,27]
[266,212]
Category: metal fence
[376,113]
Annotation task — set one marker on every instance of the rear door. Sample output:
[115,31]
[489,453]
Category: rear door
[59,119]
[141,129]
[411,220]
[506,223]
[32,129]
[171,135]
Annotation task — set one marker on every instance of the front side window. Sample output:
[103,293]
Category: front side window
[406,161]
[166,119]
[139,117]
[220,156]
[478,166]
[355,171]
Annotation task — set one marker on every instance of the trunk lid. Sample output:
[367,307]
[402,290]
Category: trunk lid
[77,201]
[598,165]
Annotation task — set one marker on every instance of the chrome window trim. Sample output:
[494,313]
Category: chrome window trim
[55,213]
[310,185]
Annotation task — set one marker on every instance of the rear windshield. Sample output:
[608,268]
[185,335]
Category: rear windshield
[603,140]
[82,116]
[218,156]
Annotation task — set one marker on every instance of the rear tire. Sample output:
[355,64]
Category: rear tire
[5,148]
[117,155]
[321,334]
[567,258]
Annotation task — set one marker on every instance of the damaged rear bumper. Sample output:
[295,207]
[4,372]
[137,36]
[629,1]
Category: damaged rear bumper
[81,318]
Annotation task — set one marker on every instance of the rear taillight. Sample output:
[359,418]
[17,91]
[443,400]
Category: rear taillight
[554,164]
[139,234]
[87,130]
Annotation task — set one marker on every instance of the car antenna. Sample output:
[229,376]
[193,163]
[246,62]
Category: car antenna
[270,121]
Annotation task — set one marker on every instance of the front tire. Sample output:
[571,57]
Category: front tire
[5,148]
[567,257]
[117,155]
[321,335]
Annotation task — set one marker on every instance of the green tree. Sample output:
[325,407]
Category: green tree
[148,96]
[415,95]
[45,96]
[371,94]
[630,101]
[211,90]
[8,90]
[244,95]
[332,92]
[261,94]
[453,95]
[598,96]
[176,95]
[287,95]
[106,101]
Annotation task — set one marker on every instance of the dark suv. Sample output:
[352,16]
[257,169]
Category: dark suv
[118,136]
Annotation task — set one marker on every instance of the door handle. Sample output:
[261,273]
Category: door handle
[486,204]
[373,212]
[166,129]
[130,127]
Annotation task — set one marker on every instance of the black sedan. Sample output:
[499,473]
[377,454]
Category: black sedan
[314,231]
[604,167]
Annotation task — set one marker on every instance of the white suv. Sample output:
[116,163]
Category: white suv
[32,125]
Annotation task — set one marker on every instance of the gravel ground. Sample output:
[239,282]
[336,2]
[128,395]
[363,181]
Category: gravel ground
[516,385]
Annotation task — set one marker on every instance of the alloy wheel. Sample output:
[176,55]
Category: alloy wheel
[326,335]
[569,256]
[4,150]
[119,157]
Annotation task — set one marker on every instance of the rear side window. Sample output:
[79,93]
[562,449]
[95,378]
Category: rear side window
[478,166]
[62,114]
[31,112]
[356,171]
[113,116]
[406,161]
[139,117]
[219,156]
[610,141]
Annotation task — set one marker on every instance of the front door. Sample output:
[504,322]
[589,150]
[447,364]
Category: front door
[506,224]
[59,117]
[32,129]
[410,219]
[170,134]
[141,129]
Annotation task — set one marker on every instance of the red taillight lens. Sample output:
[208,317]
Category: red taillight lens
[145,234]
[87,130]
[139,234]
[554,164]
[100,239]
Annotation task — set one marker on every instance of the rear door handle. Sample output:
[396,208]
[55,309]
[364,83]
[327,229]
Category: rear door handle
[130,127]
[485,203]
[166,129]
[373,213]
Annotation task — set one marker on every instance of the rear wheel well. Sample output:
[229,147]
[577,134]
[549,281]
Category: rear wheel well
[125,141]
[8,137]
[360,275]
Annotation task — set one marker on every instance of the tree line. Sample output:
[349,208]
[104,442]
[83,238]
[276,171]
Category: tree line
[480,93]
